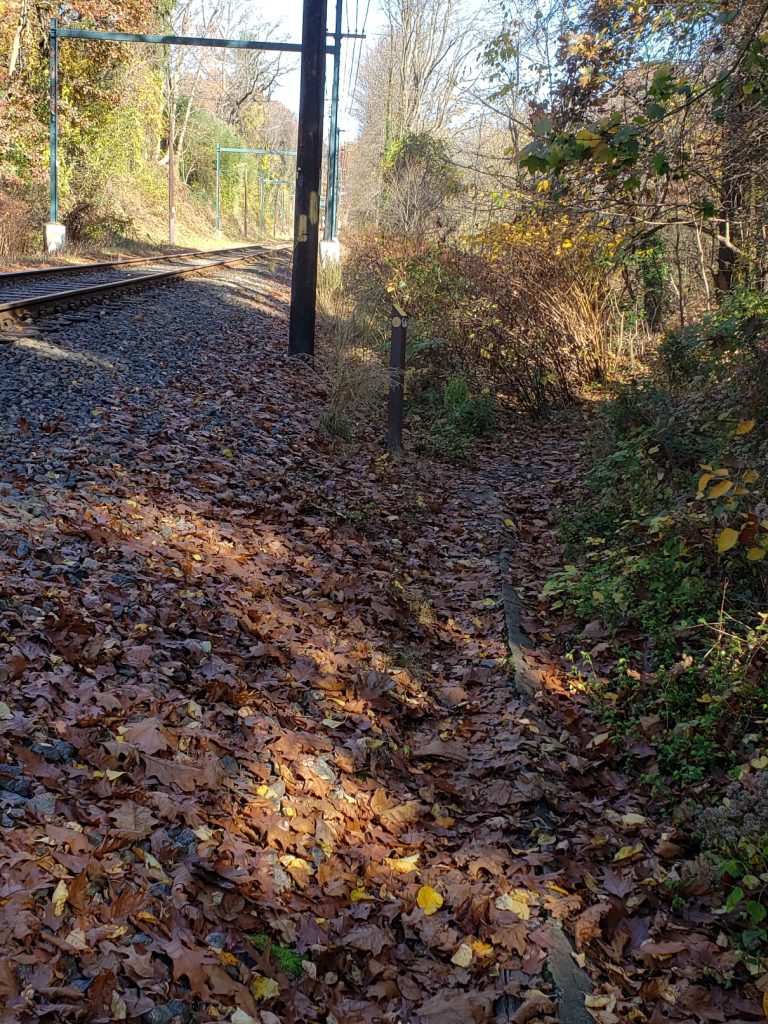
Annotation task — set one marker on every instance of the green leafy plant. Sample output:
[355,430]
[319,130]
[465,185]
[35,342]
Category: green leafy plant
[288,960]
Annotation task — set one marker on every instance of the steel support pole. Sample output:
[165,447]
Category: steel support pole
[218,187]
[331,192]
[262,226]
[306,225]
[53,119]
[245,205]
[171,163]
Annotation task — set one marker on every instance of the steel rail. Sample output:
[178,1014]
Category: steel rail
[10,311]
[74,268]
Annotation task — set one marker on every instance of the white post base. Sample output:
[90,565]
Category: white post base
[330,252]
[54,237]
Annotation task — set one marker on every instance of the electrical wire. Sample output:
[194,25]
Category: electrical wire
[351,60]
[353,89]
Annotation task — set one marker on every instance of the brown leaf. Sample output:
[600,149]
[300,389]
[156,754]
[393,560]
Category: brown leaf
[132,819]
[534,1006]
[368,937]
[453,1007]
[446,750]
[587,926]
[148,735]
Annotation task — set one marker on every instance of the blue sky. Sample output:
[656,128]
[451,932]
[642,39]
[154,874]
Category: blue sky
[354,16]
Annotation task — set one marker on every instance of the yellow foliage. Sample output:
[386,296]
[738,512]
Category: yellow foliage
[429,900]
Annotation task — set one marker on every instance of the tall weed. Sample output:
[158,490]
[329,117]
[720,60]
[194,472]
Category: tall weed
[347,358]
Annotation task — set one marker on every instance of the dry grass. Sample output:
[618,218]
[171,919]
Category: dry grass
[347,359]
[18,227]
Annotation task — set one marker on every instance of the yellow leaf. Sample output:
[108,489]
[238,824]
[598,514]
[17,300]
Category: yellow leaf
[145,917]
[403,865]
[721,472]
[558,888]
[720,489]
[750,476]
[744,427]
[628,851]
[703,481]
[727,539]
[756,554]
[429,899]
[227,959]
[518,902]
[628,820]
[463,955]
[359,894]
[759,762]
[264,988]
[765,1004]
[59,898]
[481,948]
[740,491]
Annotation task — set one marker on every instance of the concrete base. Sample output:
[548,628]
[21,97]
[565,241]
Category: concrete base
[54,237]
[330,252]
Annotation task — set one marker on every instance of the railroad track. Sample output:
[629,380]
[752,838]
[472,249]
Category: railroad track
[48,289]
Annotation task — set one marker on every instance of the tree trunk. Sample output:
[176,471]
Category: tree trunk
[13,60]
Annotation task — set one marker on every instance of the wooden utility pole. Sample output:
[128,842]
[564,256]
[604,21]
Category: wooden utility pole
[306,228]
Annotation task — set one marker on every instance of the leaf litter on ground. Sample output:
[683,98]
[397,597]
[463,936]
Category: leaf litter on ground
[234,710]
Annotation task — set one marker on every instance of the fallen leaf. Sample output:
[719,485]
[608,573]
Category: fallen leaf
[463,955]
[626,852]
[429,900]
[403,865]
[744,427]
[241,1017]
[60,897]
[727,539]
[721,489]
[518,901]
[264,988]
[76,938]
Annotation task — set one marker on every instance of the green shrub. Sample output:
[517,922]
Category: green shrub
[533,337]
[669,556]
[450,422]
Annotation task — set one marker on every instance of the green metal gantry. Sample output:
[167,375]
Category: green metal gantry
[235,149]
